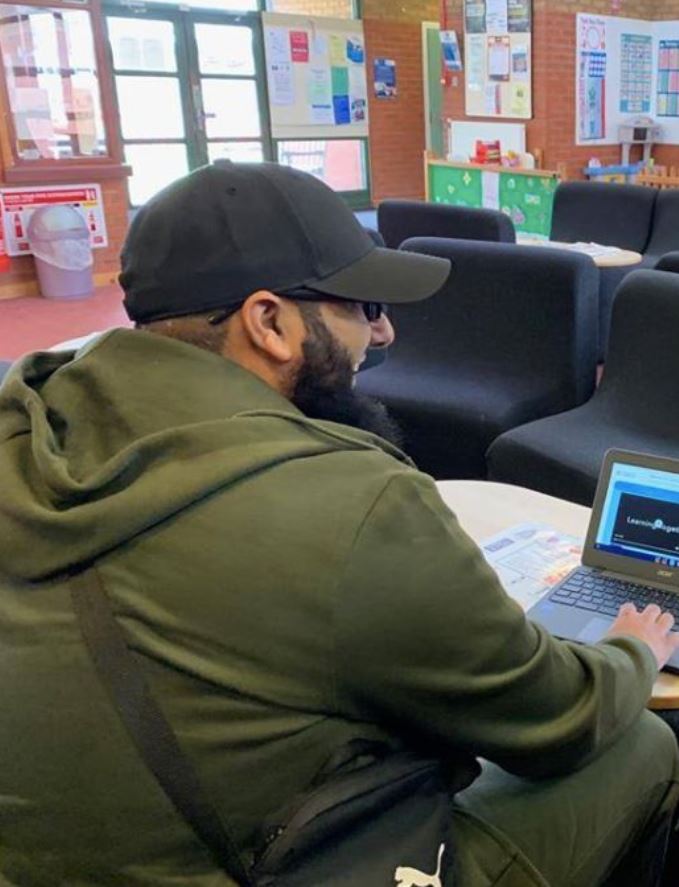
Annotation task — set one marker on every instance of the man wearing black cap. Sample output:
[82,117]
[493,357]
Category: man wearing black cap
[286,579]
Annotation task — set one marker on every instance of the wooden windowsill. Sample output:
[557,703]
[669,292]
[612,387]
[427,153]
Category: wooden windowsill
[69,172]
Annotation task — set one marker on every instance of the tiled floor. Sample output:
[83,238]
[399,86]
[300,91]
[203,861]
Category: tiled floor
[35,323]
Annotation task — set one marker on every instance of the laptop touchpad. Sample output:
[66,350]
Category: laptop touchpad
[594,630]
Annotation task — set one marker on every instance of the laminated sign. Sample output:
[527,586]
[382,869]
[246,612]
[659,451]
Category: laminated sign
[18,204]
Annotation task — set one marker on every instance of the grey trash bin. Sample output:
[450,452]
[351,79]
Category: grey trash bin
[60,243]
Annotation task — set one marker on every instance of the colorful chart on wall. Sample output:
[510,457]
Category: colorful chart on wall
[316,73]
[625,68]
[498,58]
[668,78]
[636,74]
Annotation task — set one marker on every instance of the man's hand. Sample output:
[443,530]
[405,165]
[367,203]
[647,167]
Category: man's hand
[651,626]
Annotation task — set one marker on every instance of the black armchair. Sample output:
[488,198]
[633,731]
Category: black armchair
[616,215]
[510,337]
[668,262]
[634,408]
[665,227]
[398,220]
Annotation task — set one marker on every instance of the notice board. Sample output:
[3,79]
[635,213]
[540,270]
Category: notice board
[625,68]
[498,58]
[316,76]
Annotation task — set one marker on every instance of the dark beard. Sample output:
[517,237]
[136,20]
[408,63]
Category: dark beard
[324,389]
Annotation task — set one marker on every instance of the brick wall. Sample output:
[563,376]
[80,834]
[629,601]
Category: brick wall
[393,30]
[397,126]
[413,11]
[552,128]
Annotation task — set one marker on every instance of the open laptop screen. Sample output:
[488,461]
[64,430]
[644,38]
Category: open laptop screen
[640,514]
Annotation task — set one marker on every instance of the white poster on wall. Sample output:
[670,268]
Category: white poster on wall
[281,83]
[622,73]
[278,46]
[497,20]
[476,61]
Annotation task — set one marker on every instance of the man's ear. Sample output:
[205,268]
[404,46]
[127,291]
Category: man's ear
[273,326]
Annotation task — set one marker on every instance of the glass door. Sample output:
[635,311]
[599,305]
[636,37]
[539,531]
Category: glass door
[229,104]
[188,92]
[152,100]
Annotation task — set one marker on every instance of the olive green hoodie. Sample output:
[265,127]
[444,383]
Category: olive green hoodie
[286,584]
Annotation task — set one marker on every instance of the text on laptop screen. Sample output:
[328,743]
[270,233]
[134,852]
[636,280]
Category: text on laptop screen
[640,516]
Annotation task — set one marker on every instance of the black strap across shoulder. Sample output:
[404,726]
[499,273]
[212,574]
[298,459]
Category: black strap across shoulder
[145,722]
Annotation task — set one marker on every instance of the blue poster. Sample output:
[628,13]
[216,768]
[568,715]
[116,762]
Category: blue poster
[385,78]
[342,110]
[355,51]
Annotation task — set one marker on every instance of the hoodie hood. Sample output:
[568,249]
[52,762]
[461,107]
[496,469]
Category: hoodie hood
[99,445]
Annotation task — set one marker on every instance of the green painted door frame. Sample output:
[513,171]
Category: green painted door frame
[433,91]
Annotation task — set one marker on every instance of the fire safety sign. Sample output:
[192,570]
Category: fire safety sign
[18,204]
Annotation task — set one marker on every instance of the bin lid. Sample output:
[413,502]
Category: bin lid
[57,223]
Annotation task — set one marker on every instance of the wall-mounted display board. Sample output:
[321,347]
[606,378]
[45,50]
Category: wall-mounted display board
[625,69]
[316,74]
[527,197]
[497,60]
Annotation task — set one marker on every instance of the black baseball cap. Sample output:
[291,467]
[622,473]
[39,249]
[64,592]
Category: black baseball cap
[212,238]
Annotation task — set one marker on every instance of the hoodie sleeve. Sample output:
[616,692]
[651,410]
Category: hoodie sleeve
[429,644]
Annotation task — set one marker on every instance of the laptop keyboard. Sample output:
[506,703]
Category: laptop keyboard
[603,594]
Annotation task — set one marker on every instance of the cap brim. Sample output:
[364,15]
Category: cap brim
[389,276]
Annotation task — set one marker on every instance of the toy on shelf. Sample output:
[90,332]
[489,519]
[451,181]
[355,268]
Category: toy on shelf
[511,159]
[487,152]
[621,173]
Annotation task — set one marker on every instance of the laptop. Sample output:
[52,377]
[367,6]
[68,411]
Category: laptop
[631,551]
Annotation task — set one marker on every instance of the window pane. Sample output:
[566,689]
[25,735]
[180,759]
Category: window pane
[51,76]
[153,167]
[339,163]
[150,107]
[332,8]
[231,108]
[142,44]
[225,49]
[239,152]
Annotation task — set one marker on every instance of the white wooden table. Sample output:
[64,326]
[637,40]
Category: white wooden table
[613,258]
[484,509]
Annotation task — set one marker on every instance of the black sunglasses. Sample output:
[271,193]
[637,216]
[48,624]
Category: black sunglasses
[373,310]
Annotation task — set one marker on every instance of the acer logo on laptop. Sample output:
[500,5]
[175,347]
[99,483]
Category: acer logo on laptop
[664,574]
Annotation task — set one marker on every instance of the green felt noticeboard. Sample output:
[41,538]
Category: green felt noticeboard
[527,199]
